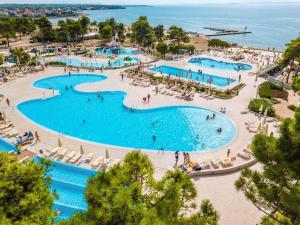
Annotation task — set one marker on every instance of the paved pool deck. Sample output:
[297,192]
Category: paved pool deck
[232,205]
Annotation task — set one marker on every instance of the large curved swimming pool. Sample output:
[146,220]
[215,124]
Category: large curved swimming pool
[102,117]
[113,63]
[218,64]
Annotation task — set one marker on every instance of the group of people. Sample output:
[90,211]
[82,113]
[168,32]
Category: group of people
[211,117]
[27,138]
[147,98]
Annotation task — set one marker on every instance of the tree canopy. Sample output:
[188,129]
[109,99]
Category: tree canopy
[25,196]
[291,53]
[7,29]
[142,32]
[177,35]
[128,194]
[110,29]
[276,190]
[159,32]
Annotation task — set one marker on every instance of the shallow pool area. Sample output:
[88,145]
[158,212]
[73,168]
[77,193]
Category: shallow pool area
[204,62]
[121,51]
[69,182]
[95,63]
[102,117]
[203,78]
[5,146]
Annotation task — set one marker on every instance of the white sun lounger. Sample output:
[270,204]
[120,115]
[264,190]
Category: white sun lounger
[244,155]
[52,151]
[61,152]
[11,133]
[89,157]
[215,163]
[75,158]
[97,161]
[70,155]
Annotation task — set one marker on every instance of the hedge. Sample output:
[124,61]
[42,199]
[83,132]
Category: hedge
[296,84]
[56,63]
[264,90]
[218,42]
[255,104]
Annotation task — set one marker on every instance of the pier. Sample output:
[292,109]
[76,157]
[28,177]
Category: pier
[225,31]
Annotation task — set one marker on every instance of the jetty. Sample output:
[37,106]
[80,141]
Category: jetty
[225,31]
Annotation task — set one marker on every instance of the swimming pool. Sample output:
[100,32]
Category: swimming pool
[103,118]
[122,51]
[94,63]
[6,146]
[69,182]
[221,65]
[196,76]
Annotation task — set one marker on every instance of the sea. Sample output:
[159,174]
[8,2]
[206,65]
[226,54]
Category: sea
[273,25]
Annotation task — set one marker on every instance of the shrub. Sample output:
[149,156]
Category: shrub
[56,63]
[296,84]
[219,43]
[255,104]
[292,107]
[264,90]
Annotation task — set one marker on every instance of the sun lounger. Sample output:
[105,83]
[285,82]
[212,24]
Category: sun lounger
[215,163]
[75,158]
[12,133]
[61,152]
[52,151]
[227,162]
[89,157]
[244,155]
[250,124]
[97,161]
[70,155]
[252,129]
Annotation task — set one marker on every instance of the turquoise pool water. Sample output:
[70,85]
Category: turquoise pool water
[196,76]
[123,51]
[6,146]
[103,118]
[115,63]
[69,182]
[220,65]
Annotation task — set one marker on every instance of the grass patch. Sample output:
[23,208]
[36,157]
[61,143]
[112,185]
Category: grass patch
[255,105]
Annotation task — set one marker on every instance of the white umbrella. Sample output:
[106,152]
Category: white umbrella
[259,127]
[267,129]
[81,150]
[59,142]
[106,154]
[266,112]
[261,108]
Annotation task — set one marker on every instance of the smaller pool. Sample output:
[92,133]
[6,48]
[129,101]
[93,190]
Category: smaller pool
[122,51]
[114,63]
[5,146]
[69,182]
[196,76]
[220,65]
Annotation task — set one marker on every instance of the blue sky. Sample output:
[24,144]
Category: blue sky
[150,2]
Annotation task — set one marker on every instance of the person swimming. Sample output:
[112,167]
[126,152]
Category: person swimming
[219,130]
[153,138]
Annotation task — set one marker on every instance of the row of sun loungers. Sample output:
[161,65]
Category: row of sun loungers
[74,157]
[218,165]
